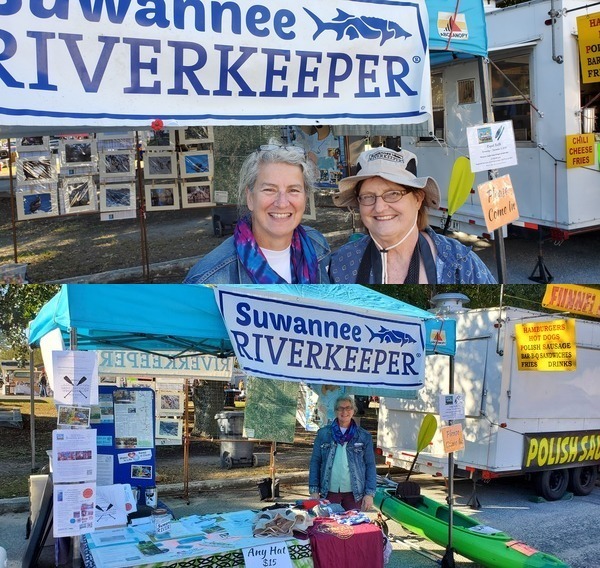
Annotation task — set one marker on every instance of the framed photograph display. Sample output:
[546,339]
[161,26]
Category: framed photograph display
[162,196]
[196,135]
[33,144]
[79,194]
[170,428]
[170,403]
[196,194]
[160,165]
[116,163]
[159,140]
[37,202]
[196,164]
[35,168]
[117,196]
[74,152]
[115,141]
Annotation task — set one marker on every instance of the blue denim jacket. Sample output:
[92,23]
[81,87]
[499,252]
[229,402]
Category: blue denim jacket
[222,265]
[455,263]
[361,462]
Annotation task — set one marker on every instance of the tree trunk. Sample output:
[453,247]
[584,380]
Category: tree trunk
[209,398]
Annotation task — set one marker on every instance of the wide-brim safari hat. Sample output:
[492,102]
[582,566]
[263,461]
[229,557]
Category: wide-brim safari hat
[392,166]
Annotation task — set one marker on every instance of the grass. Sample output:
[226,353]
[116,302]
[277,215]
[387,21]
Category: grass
[15,444]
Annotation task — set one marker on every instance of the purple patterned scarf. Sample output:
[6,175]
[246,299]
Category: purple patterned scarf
[342,438]
[304,263]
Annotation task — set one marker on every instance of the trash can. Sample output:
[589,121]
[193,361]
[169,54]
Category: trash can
[235,451]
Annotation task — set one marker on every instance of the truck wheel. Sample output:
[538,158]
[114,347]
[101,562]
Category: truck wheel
[552,483]
[583,479]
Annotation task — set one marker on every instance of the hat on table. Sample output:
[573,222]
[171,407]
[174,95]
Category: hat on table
[391,165]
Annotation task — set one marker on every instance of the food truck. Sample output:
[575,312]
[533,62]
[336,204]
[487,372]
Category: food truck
[539,62]
[517,419]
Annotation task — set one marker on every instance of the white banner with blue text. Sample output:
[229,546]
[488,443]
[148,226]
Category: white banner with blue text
[126,62]
[322,342]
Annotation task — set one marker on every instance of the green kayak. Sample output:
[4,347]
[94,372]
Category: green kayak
[472,540]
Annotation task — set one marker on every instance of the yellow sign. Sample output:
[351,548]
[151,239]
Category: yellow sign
[552,450]
[546,345]
[498,202]
[452,437]
[580,150]
[573,298]
[588,30]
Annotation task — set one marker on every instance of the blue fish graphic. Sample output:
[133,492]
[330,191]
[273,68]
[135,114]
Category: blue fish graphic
[354,27]
[391,336]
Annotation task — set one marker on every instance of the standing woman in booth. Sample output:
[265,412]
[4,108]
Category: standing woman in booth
[342,466]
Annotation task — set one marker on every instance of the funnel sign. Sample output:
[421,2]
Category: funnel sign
[324,343]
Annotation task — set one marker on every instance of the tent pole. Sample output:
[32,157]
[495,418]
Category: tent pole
[142,210]
[488,116]
[448,559]
[273,452]
[32,410]
[186,446]
[13,214]
[75,554]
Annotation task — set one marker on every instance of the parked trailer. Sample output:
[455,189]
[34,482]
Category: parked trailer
[508,413]
[539,55]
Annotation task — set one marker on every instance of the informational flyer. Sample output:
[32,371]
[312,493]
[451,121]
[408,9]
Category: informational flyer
[134,419]
[452,406]
[110,509]
[73,512]
[75,377]
[491,146]
[74,455]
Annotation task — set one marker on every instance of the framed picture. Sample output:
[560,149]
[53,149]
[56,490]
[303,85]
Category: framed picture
[33,144]
[117,196]
[74,416]
[170,403]
[79,194]
[159,165]
[116,163]
[196,194]
[171,428]
[159,140]
[162,196]
[311,211]
[196,164]
[37,202]
[76,152]
[35,169]
[115,141]
[196,135]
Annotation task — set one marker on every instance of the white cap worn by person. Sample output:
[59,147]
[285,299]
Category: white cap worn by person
[391,165]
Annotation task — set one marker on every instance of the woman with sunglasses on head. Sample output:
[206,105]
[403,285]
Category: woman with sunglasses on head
[269,245]
[342,466]
[400,248]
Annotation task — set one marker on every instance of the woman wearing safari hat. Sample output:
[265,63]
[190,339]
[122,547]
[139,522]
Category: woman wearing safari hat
[400,246]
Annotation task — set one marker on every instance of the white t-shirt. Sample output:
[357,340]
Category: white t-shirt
[279,260]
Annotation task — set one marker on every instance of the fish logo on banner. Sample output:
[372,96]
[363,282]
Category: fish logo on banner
[354,27]
[391,336]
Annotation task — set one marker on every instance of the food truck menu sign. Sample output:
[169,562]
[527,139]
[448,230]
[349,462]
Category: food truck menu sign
[546,345]
[214,63]
[588,30]
[580,150]
[315,342]
[554,450]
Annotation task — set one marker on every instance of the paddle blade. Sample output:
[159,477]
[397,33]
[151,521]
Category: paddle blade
[426,432]
[461,182]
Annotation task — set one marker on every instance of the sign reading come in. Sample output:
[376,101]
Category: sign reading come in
[546,345]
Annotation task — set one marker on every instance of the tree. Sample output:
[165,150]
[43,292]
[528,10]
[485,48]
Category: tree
[208,397]
[19,304]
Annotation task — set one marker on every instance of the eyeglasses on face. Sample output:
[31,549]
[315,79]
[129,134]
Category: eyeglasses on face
[344,409]
[392,196]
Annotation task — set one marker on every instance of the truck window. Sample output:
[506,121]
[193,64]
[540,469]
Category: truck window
[507,102]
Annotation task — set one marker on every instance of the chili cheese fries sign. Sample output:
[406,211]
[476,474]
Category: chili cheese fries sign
[546,346]
[555,450]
